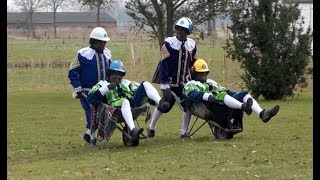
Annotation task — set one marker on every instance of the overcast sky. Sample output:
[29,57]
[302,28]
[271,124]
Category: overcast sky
[12,7]
[306,11]
[10,4]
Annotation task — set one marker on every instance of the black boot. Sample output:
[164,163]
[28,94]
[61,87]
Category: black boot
[150,133]
[185,136]
[164,103]
[246,107]
[135,132]
[93,142]
[267,114]
[86,137]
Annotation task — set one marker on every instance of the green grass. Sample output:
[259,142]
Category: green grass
[45,127]
[141,65]
[44,142]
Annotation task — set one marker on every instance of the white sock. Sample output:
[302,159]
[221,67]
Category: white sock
[231,102]
[155,117]
[255,106]
[88,131]
[152,93]
[127,114]
[94,135]
[186,117]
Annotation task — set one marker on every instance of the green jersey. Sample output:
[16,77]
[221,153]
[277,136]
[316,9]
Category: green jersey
[123,90]
[210,86]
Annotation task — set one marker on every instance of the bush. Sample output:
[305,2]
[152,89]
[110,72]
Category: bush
[269,42]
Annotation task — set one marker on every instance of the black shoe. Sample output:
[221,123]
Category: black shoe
[246,107]
[267,114]
[150,133]
[147,113]
[93,142]
[185,136]
[164,103]
[135,132]
[86,137]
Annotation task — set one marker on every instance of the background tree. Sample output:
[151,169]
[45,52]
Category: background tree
[54,5]
[29,7]
[159,15]
[271,45]
[99,5]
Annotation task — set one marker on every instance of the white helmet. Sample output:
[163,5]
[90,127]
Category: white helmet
[185,23]
[100,34]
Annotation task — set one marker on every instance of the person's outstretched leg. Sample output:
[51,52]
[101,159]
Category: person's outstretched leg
[235,104]
[162,104]
[267,114]
[152,93]
[127,116]
[264,114]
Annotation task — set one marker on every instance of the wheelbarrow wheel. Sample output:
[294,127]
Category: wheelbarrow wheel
[128,141]
[221,134]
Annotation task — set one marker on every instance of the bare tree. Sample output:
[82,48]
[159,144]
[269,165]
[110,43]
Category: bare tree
[159,15]
[29,7]
[73,6]
[99,5]
[54,5]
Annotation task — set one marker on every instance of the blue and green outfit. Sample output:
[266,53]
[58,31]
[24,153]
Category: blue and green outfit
[127,89]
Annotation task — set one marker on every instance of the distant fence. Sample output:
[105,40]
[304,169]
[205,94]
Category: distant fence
[121,34]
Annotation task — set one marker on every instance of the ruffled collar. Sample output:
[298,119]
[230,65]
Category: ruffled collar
[88,53]
[197,83]
[175,43]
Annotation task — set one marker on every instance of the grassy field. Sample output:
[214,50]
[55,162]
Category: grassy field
[45,127]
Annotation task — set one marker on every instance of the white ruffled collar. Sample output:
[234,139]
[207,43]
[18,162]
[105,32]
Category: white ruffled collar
[175,43]
[197,83]
[210,81]
[88,53]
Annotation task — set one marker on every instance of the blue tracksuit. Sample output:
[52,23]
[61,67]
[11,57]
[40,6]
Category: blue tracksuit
[87,69]
[177,57]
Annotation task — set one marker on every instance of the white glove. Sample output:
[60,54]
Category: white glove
[103,83]
[76,92]
[205,96]
[164,86]
[105,87]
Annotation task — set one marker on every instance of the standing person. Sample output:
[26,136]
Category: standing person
[177,56]
[124,94]
[88,68]
[201,89]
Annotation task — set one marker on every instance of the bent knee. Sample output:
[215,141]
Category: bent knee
[165,110]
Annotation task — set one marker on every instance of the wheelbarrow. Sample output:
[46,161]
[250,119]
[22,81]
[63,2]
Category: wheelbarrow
[224,122]
[105,119]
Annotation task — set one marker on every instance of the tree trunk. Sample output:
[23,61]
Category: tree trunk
[169,6]
[27,26]
[214,28]
[209,27]
[159,11]
[32,26]
[98,14]
[54,24]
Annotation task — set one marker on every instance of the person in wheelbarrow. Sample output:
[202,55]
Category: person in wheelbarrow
[124,94]
[201,89]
